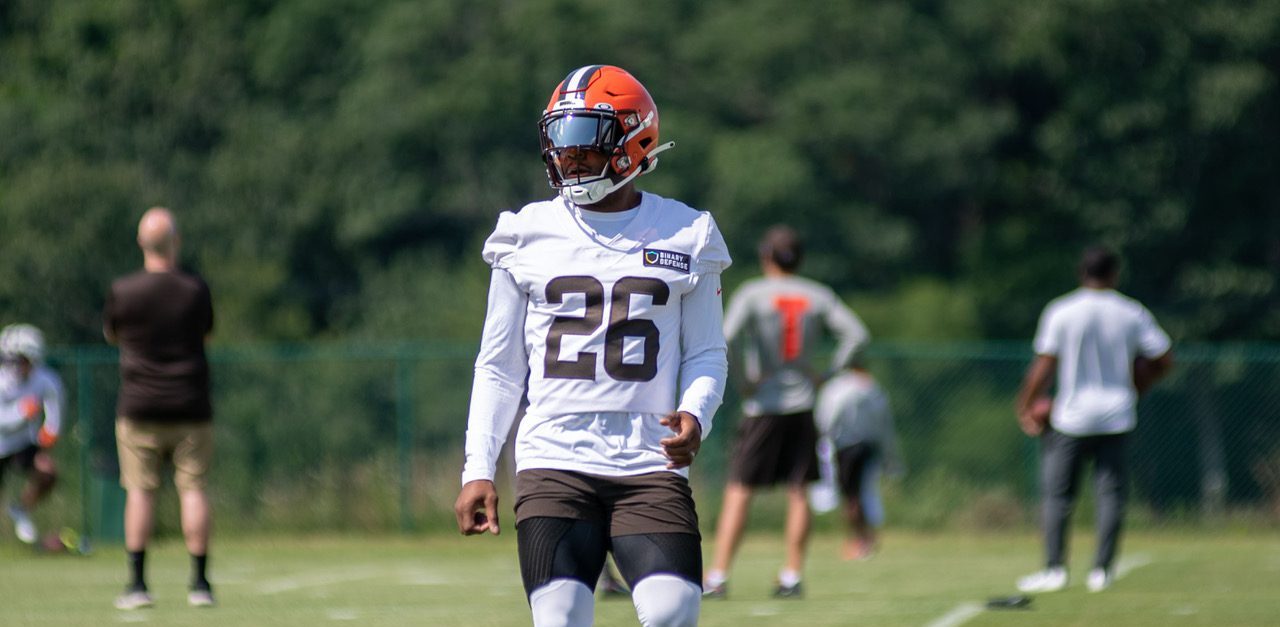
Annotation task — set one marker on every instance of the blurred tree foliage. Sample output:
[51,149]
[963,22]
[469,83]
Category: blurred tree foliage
[335,164]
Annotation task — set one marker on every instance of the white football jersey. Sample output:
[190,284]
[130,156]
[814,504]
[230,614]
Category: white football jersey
[1096,334]
[602,330]
[609,322]
[17,433]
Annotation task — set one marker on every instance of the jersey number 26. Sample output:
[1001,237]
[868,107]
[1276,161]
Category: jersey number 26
[620,327]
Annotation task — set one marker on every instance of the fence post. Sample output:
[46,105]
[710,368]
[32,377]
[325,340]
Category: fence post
[404,435]
[84,425]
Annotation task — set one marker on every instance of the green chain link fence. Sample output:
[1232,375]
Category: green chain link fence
[369,438]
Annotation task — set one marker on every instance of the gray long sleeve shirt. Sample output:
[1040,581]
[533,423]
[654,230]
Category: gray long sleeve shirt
[775,326]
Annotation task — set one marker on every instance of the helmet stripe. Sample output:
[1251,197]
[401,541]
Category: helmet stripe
[578,79]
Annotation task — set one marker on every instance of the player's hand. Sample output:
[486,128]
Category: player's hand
[46,438]
[682,447]
[1029,424]
[477,508]
[29,407]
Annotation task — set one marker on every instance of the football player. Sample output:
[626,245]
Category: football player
[30,418]
[606,300]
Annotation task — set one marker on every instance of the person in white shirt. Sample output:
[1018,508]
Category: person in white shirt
[31,401]
[1105,349]
[604,307]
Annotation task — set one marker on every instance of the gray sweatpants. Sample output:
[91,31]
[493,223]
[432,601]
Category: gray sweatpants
[1062,459]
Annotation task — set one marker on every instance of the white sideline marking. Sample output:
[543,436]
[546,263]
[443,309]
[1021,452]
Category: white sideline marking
[286,584]
[1129,564]
[133,617]
[343,614]
[959,615]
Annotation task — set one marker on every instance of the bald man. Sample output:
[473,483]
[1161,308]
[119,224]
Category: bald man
[160,317]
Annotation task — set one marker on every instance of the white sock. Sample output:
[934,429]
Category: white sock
[788,577]
[562,603]
[716,578]
[667,601]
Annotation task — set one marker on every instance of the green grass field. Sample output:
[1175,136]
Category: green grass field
[1183,578]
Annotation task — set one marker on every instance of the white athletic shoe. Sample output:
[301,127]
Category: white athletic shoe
[1047,580]
[23,526]
[1099,579]
[134,600]
[200,598]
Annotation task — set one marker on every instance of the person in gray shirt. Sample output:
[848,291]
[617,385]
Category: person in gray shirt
[775,326]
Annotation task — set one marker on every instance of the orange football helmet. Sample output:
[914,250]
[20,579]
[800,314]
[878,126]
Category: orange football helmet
[600,108]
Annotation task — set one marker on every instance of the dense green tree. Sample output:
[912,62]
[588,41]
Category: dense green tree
[335,163]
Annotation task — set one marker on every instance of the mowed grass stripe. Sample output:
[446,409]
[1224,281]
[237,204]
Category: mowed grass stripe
[1191,578]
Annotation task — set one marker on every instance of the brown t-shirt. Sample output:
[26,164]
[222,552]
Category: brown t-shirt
[160,320]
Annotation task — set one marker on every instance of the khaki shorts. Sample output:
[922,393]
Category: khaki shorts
[145,446]
[656,502]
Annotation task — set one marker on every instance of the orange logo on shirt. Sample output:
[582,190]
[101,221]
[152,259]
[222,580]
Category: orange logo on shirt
[792,308]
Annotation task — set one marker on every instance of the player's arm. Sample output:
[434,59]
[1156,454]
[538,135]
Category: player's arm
[1155,353]
[1147,372]
[1034,384]
[703,368]
[851,334]
[500,373]
[52,400]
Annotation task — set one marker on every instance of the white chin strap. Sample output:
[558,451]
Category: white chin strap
[595,191]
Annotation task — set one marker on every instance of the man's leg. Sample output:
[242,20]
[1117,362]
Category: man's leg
[192,458]
[40,481]
[663,571]
[1059,478]
[139,449]
[1111,486]
[1059,475]
[20,510]
[733,519]
[796,535]
[560,559]
[139,516]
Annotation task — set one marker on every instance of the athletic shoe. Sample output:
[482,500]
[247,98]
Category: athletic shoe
[23,526]
[788,592]
[200,598]
[1048,580]
[1099,579]
[715,592]
[134,600]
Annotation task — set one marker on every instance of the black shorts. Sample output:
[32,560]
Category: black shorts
[24,460]
[769,450]
[852,463]
[656,502]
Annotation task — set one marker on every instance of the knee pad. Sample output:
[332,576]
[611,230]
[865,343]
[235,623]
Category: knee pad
[562,603]
[642,555]
[667,601]
[560,548]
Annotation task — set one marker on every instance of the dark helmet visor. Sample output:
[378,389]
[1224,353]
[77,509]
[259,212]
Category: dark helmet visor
[579,129]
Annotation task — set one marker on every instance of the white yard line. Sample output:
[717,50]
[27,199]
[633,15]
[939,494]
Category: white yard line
[958,615]
[288,584]
[962,613]
[1131,563]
